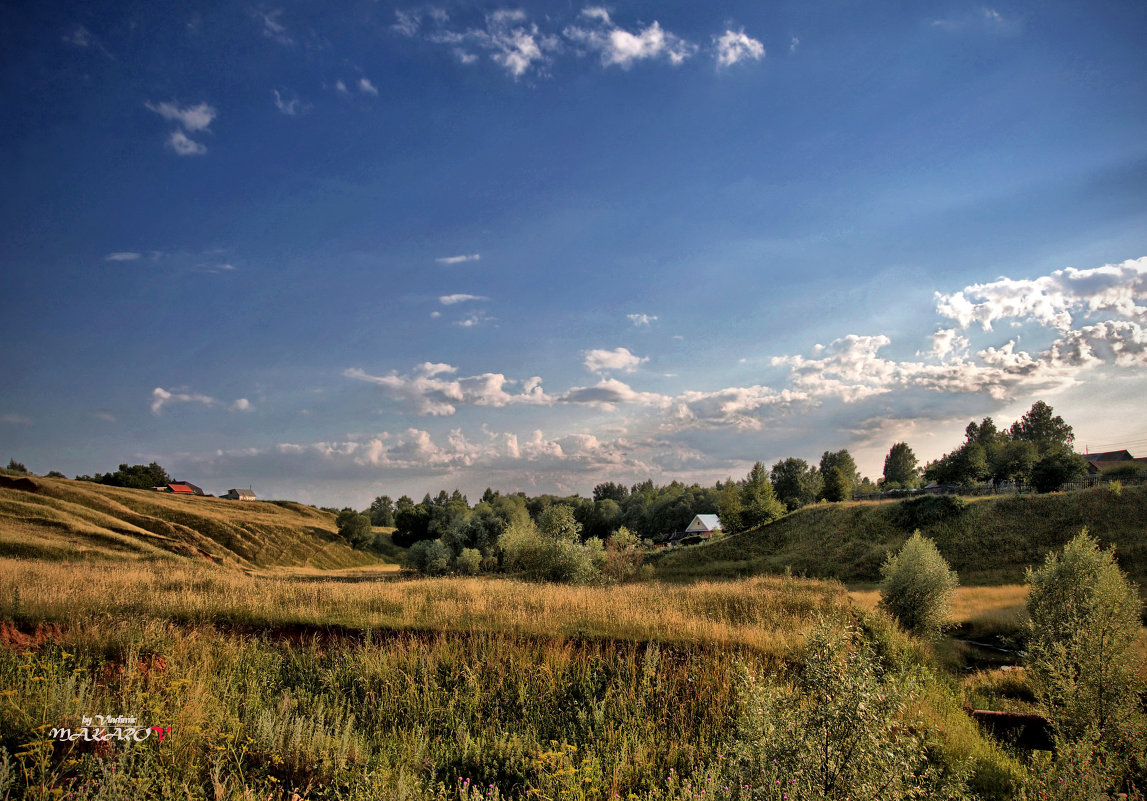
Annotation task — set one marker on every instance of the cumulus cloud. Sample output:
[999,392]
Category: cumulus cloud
[597,361]
[1053,299]
[641,319]
[733,47]
[608,393]
[161,397]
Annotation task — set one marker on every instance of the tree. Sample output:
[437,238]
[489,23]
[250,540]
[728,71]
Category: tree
[611,491]
[918,586]
[1047,430]
[795,483]
[1056,467]
[1012,461]
[16,467]
[758,503]
[900,466]
[138,476]
[838,487]
[557,523]
[729,508]
[382,511]
[354,528]
[1083,622]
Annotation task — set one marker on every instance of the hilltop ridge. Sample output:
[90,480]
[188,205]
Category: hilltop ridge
[57,518]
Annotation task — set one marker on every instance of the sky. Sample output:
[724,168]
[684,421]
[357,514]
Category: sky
[334,251]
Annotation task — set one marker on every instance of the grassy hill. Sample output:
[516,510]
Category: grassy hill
[987,540]
[72,520]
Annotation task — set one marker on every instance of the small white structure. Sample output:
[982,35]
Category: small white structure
[240,495]
[704,526]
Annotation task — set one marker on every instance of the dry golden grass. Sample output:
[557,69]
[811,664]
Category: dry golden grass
[80,520]
[764,614]
[1004,603]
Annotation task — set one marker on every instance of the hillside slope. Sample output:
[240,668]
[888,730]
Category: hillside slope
[988,541]
[63,519]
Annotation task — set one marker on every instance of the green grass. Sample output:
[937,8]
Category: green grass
[990,541]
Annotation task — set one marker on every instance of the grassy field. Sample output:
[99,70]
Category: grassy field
[349,687]
[81,521]
[989,541]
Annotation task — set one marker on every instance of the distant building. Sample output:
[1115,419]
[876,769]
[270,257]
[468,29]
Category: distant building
[184,488]
[239,495]
[1112,460]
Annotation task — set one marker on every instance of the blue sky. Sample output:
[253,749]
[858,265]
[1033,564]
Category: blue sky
[332,253]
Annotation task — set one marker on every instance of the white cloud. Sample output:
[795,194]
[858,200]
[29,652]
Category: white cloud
[641,319]
[794,43]
[15,420]
[513,43]
[618,359]
[459,259]
[192,118]
[451,300]
[340,87]
[122,255]
[736,46]
[1052,300]
[274,30]
[161,397]
[610,392]
[432,390]
[289,103]
[366,87]
[184,146]
[474,319]
[619,47]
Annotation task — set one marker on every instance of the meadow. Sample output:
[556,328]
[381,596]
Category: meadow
[276,685]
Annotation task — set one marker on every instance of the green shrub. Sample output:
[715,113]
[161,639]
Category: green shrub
[839,732]
[469,562]
[918,586]
[923,511]
[1084,620]
[431,557]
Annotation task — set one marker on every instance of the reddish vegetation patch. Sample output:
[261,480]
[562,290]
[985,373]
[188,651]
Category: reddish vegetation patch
[144,668]
[21,636]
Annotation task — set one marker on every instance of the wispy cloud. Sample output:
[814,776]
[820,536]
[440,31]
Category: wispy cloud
[622,48]
[184,146]
[161,397]
[474,319]
[192,118]
[366,87]
[15,420]
[451,300]
[642,319]
[459,259]
[432,390]
[274,29]
[290,103]
[123,255]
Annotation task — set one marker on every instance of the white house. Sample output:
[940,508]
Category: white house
[704,526]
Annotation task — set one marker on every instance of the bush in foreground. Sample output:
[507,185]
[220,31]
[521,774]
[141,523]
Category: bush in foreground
[918,587]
